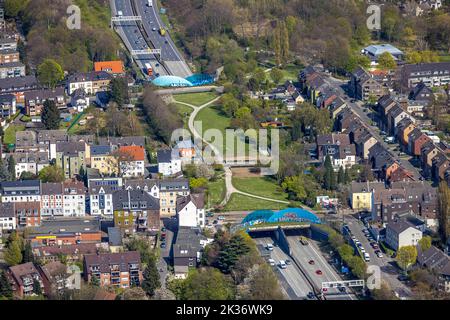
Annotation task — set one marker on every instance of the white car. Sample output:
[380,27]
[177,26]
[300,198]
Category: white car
[379,254]
[271,262]
[282,264]
[269,247]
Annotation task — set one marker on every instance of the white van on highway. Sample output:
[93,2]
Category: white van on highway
[269,247]
[119,13]
[366,257]
[282,264]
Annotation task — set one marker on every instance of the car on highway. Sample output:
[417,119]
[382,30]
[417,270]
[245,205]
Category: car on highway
[282,264]
[303,241]
[311,262]
[153,29]
[324,290]
[166,42]
[310,295]
[288,262]
[163,245]
[156,64]
[163,229]
[342,289]
[379,254]
[271,262]
[319,272]
[269,247]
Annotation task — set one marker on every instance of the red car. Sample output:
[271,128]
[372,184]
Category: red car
[319,272]
[324,290]
[311,262]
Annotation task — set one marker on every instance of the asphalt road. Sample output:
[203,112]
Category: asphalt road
[133,37]
[292,280]
[164,260]
[303,254]
[389,271]
[169,53]
[358,109]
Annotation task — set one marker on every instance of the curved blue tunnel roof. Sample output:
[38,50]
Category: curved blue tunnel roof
[287,215]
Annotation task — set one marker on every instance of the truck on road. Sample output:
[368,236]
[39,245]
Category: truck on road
[148,69]
[162,31]
[150,3]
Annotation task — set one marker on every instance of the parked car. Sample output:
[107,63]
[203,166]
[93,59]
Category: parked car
[319,272]
[221,218]
[210,214]
[163,229]
[311,262]
[163,245]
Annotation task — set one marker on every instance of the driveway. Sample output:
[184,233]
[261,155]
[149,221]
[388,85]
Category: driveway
[166,253]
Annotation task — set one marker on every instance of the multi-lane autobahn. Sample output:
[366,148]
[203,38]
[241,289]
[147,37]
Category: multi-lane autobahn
[152,23]
[170,62]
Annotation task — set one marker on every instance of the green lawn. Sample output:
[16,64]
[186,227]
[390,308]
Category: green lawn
[260,186]
[10,133]
[290,72]
[197,99]
[239,202]
[94,13]
[216,192]
[183,110]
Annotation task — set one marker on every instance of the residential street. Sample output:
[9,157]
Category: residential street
[389,271]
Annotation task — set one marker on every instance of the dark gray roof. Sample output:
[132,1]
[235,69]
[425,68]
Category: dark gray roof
[50,188]
[139,184]
[434,259]
[187,239]
[18,83]
[399,226]
[7,99]
[134,200]
[89,76]
[52,136]
[424,68]
[104,260]
[11,65]
[174,184]
[21,187]
[197,198]
[114,236]
[44,94]
[70,148]
[100,150]
[67,226]
[7,210]
[164,156]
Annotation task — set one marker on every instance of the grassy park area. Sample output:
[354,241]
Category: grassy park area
[10,133]
[240,202]
[216,192]
[197,99]
[260,186]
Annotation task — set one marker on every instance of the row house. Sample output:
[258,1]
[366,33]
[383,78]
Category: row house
[12,70]
[7,106]
[23,278]
[121,270]
[21,191]
[416,139]
[437,262]
[102,159]
[52,199]
[7,217]
[328,144]
[169,162]
[364,86]
[72,252]
[191,210]
[28,214]
[71,157]
[151,186]
[428,151]
[35,99]
[30,162]
[394,116]
[401,233]
[92,82]
[383,163]
[169,191]
[440,165]
[18,86]
[385,103]
[8,44]
[100,201]
[404,128]
[135,210]
[8,56]
[435,74]
[74,198]
[131,161]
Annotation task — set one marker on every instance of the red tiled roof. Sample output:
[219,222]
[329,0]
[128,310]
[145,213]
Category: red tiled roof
[109,66]
[137,152]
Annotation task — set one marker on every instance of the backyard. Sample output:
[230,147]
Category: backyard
[10,133]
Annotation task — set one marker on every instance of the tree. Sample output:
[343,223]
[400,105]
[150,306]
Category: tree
[386,61]
[196,183]
[406,256]
[231,253]
[52,173]
[37,287]
[207,284]
[49,73]
[134,293]
[12,168]
[4,174]
[5,286]
[14,7]
[425,243]
[262,284]
[295,187]
[26,175]
[329,176]
[444,210]
[50,115]
[151,278]
[95,281]
[13,253]
[27,255]
[276,75]
[383,293]
[119,91]
[341,175]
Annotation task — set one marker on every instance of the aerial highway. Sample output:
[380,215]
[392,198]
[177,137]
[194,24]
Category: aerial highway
[152,24]
[132,36]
